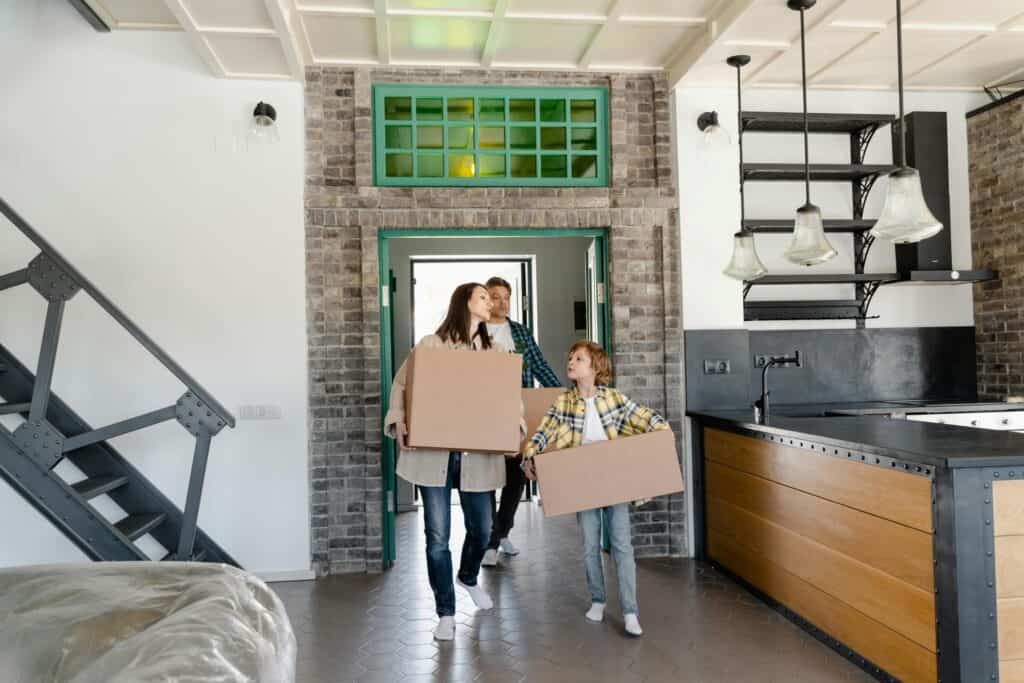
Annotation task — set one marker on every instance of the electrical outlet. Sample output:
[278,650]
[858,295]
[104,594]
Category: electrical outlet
[761,360]
[270,412]
[717,367]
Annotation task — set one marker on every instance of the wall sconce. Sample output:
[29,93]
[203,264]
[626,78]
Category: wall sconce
[263,127]
[714,134]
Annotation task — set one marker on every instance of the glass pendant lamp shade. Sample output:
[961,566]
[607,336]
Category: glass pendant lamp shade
[809,246]
[715,135]
[263,126]
[745,265]
[905,217]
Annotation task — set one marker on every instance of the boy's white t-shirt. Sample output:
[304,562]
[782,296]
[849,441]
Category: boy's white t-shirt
[502,333]
[592,429]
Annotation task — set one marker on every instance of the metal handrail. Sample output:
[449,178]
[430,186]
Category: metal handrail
[123,320]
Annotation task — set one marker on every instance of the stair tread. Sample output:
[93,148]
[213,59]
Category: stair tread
[97,486]
[135,526]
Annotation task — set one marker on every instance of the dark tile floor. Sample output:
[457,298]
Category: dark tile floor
[699,626]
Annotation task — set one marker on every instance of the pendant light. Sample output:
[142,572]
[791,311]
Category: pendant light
[745,265]
[809,246]
[715,135]
[905,217]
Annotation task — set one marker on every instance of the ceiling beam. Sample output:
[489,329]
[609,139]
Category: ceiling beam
[298,27]
[615,8]
[721,17]
[1001,29]
[206,52]
[380,17]
[494,33]
[286,34]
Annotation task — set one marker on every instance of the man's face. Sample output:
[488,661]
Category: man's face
[500,298]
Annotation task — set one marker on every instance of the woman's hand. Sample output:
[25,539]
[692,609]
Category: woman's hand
[403,436]
[529,469]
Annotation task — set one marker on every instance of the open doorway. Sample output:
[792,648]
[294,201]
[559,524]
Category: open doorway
[558,278]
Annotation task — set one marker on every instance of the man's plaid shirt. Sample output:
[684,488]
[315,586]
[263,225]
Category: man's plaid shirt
[534,365]
[562,426]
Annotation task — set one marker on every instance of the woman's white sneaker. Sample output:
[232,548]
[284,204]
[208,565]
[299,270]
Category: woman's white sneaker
[633,625]
[490,558]
[596,611]
[507,547]
[445,629]
[480,597]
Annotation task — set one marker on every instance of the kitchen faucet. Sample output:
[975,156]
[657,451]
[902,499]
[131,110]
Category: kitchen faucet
[761,405]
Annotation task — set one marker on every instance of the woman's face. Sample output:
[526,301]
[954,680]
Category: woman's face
[581,368]
[480,304]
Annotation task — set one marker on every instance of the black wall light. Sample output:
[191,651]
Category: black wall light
[263,127]
[714,134]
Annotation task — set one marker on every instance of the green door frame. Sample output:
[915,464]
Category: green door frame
[387,371]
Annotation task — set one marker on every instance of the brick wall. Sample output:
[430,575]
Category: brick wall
[344,212]
[996,164]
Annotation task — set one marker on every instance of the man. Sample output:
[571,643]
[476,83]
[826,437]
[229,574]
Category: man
[513,336]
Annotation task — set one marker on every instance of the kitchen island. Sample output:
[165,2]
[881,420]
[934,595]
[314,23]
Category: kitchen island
[899,543]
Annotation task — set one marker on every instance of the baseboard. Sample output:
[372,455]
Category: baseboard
[297,575]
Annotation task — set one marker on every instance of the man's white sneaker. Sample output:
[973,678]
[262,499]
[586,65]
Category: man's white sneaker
[490,558]
[445,629]
[507,547]
[596,611]
[480,597]
[633,625]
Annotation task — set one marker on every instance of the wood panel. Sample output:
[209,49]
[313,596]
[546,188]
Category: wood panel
[897,496]
[1008,526]
[1011,671]
[1009,566]
[904,608]
[1010,619]
[892,548]
[897,654]
[1008,508]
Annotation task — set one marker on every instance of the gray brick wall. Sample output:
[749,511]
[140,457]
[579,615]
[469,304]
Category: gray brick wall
[344,212]
[996,165]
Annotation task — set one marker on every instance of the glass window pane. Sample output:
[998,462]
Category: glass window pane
[522,110]
[552,166]
[522,137]
[522,166]
[398,136]
[584,111]
[584,166]
[460,109]
[461,166]
[398,165]
[430,166]
[429,109]
[584,138]
[492,165]
[397,108]
[429,137]
[492,137]
[492,109]
[552,138]
[460,137]
[552,111]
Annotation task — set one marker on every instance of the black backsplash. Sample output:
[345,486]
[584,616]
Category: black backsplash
[838,366]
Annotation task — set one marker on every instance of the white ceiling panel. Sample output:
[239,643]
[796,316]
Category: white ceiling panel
[714,70]
[229,13]
[640,46]
[563,7]
[340,38]
[773,21]
[334,4]
[531,42]
[126,13]
[869,11]
[251,55]
[988,12]
[823,48]
[443,5]
[437,40]
[666,8]
[988,59]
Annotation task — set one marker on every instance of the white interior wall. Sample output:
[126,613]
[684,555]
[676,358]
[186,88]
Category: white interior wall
[132,160]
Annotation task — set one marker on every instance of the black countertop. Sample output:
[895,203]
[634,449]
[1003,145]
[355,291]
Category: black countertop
[924,443]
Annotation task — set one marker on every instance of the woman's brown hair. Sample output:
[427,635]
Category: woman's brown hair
[598,358]
[456,323]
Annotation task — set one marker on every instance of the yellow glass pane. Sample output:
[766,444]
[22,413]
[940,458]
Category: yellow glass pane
[461,166]
[460,109]
[460,137]
[492,165]
[492,138]
[429,137]
[584,111]
[430,166]
[522,110]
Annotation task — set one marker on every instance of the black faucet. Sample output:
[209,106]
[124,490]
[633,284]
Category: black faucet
[761,405]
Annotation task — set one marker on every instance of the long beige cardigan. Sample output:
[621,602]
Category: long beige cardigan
[423,467]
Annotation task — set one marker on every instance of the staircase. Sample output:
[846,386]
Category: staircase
[50,433]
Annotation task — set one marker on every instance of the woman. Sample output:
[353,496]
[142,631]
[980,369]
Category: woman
[593,411]
[436,473]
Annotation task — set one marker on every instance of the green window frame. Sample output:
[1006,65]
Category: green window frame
[479,136]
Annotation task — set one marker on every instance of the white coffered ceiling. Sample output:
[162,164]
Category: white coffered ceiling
[851,43]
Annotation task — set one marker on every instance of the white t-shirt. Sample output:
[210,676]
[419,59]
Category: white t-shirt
[502,333]
[592,429]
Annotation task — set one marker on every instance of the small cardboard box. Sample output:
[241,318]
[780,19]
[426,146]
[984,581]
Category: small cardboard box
[535,403]
[609,473]
[461,400]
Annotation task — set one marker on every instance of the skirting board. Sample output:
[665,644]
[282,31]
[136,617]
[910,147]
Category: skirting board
[297,575]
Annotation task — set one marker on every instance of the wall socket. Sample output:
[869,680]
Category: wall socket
[762,359]
[259,412]
[717,367]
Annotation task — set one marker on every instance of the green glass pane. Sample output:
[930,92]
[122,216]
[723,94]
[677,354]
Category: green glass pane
[398,137]
[397,108]
[461,166]
[429,137]
[522,137]
[398,165]
[430,166]
[584,138]
[553,166]
[584,166]
[522,110]
[429,109]
[552,111]
[522,166]
[584,111]
[460,109]
[492,138]
[492,165]
[492,109]
[552,138]
[460,137]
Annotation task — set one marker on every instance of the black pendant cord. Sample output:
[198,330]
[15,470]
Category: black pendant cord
[803,67]
[899,70]
[739,128]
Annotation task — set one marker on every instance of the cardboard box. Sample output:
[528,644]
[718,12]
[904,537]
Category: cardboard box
[609,473]
[463,400]
[535,403]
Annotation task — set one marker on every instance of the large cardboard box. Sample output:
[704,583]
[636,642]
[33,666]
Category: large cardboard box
[463,400]
[609,473]
[535,403]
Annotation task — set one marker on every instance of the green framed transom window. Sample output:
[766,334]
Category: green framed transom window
[444,135]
